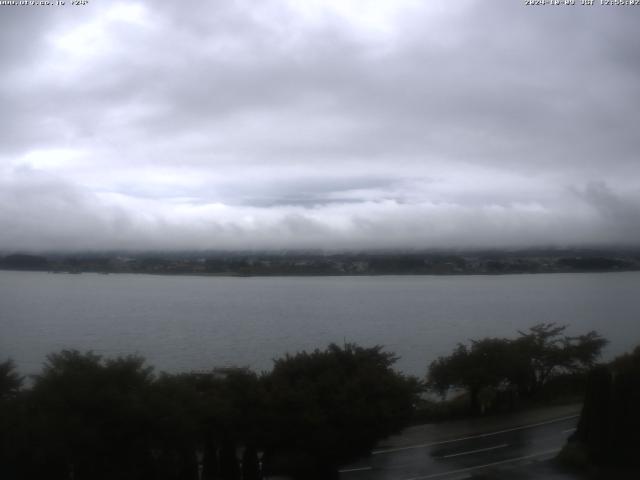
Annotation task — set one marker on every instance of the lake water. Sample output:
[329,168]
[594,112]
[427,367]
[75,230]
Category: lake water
[182,323]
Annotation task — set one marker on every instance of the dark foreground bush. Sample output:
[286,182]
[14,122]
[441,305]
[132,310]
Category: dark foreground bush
[86,417]
[607,432]
[542,363]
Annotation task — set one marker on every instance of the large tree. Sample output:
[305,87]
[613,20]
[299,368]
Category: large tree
[89,415]
[10,380]
[524,364]
[486,363]
[12,434]
[544,351]
[213,412]
[610,420]
[330,405]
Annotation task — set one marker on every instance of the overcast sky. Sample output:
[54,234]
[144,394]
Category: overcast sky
[319,124]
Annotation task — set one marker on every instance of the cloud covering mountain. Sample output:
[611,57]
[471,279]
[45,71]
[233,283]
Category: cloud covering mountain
[328,124]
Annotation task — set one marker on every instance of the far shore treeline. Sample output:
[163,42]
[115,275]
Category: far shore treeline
[265,263]
[89,417]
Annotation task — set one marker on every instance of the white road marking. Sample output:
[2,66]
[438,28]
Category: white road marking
[482,435]
[504,445]
[359,469]
[568,430]
[477,467]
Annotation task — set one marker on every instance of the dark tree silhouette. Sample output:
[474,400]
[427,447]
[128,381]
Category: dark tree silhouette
[10,380]
[485,363]
[544,351]
[525,364]
[610,420]
[88,416]
[331,405]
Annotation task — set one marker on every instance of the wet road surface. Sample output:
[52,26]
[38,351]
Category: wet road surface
[466,455]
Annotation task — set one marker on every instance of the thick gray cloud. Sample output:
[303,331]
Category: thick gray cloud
[332,124]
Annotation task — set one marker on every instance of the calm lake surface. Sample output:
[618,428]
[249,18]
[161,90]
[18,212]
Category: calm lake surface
[182,323]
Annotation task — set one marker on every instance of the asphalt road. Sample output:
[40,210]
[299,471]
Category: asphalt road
[466,455]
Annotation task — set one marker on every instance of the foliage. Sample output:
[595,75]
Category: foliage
[523,365]
[87,414]
[339,401]
[10,413]
[485,363]
[212,411]
[10,381]
[610,419]
[544,351]
[88,417]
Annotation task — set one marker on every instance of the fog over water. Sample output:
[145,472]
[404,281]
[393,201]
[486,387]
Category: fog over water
[326,124]
[184,323]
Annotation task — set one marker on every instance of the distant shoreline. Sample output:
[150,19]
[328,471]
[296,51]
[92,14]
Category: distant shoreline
[309,264]
[308,275]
